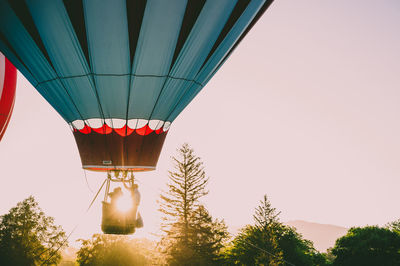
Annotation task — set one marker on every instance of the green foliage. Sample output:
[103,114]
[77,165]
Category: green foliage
[370,245]
[329,257]
[115,250]
[257,245]
[192,236]
[297,250]
[394,226]
[252,247]
[29,237]
[269,242]
[207,236]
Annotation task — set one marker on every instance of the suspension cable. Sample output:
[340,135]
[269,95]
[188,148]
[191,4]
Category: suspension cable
[87,183]
[269,253]
[73,230]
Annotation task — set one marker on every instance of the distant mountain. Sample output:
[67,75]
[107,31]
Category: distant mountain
[322,235]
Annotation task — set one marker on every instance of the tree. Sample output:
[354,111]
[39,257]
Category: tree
[207,235]
[297,250]
[329,257]
[115,250]
[394,226]
[29,237]
[257,244]
[269,242]
[370,245]
[191,237]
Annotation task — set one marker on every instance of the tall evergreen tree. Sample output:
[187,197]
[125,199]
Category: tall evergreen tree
[191,237]
[258,244]
[269,242]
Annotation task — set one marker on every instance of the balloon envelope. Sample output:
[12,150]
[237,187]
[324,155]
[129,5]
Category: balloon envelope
[119,72]
[8,81]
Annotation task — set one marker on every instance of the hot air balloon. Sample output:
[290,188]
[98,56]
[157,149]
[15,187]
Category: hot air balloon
[8,81]
[119,72]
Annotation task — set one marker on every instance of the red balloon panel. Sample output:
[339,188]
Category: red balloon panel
[8,81]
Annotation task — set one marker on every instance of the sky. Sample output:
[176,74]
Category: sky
[306,110]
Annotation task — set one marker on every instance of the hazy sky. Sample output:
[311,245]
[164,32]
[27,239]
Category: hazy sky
[306,110]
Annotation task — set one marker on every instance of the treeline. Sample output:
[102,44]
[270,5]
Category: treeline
[191,236]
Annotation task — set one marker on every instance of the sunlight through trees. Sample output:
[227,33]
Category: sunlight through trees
[192,236]
[29,237]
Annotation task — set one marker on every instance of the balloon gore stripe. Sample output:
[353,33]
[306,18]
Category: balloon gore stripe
[122,127]
[8,79]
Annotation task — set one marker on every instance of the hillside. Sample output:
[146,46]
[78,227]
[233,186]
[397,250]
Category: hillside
[322,235]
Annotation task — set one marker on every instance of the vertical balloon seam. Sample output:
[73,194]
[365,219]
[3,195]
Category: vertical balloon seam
[35,36]
[63,86]
[13,54]
[171,66]
[74,10]
[192,12]
[188,36]
[95,87]
[227,33]
[133,38]
[22,11]
[233,16]
[265,6]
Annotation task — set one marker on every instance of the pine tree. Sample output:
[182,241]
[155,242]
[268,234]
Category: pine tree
[191,237]
[208,235]
[258,244]
[269,242]
[267,225]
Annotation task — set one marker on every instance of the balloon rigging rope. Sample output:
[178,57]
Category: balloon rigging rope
[269,253]
[73,230]
[87,183]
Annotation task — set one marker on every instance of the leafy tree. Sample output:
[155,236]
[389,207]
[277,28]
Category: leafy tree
[29,237]
[68,257]
[329,257]
[370,245]
[191,237]
[394,226]
[297,250]
[115,250]
[258,244]
[269,242]
[250,247]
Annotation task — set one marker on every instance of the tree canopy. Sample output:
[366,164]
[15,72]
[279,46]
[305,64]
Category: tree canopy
[394,226]
[116,250]
[192,236]
[370,245]
[269,242]
[29,237]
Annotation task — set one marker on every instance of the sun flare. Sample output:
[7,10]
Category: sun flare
[124,203]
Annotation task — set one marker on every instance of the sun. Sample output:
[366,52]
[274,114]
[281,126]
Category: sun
[124,203]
